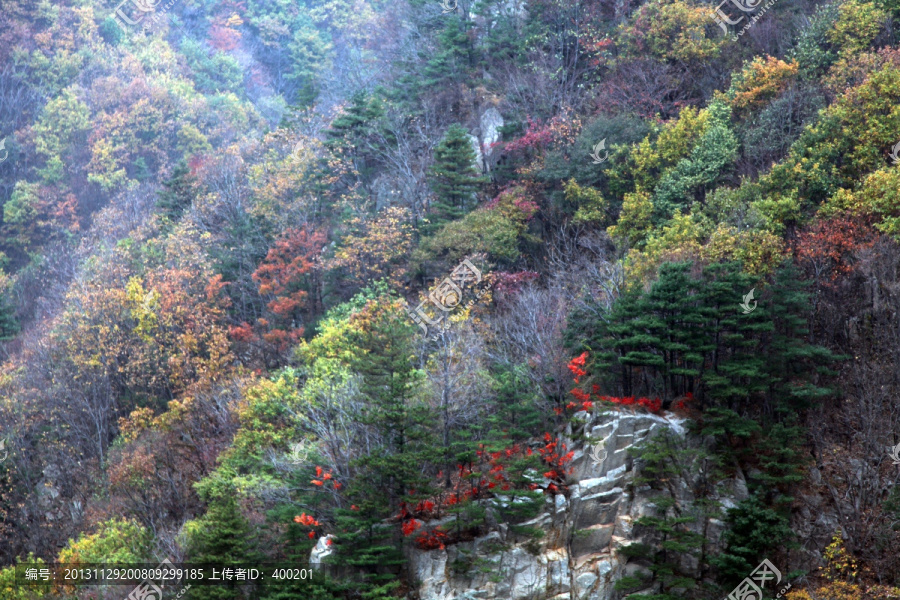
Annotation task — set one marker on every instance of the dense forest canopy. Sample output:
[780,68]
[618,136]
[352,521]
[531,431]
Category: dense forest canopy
[345,277]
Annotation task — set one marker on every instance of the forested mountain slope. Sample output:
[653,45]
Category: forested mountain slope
[354,274]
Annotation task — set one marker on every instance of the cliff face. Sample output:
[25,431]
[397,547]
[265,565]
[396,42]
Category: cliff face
[579,557]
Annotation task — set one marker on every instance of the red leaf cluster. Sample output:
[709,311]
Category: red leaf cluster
[576,365]
[830,246]
[435,539]
[322,478]
[307,520]
[409,527]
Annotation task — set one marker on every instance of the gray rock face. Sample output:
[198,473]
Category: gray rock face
[479,156]
[579,555]
[491,122]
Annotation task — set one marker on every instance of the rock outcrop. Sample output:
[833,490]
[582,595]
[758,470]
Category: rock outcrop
[579,557]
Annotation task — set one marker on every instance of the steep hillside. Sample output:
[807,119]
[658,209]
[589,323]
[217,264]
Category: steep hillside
[519,299]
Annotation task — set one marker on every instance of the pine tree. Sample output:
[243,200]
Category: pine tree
[178,193]
[736,368]
[793,358]
[9,326]
[659,333]
[352,132]
[221,537]
[453,60]
[389,476]
[454,178]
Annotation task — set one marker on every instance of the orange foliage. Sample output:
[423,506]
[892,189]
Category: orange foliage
[282,277]
[830,246]
[760,81]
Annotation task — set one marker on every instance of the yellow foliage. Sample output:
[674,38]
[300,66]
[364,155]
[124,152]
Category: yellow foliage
[377,249]
[858,24]
[839,564]
[675,141]
[760,252]
[679,240]
[760,80]
[142,305]
[878,195]
[634,220]
[839,590]
[670,31]
[591,206]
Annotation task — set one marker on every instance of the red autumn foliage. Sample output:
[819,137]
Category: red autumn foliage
[536,136]
[307,520]
[223,38]
[576,365]
[283,276]
[435,539]
[829,247]
[682,404]
[322,478]
[409,527]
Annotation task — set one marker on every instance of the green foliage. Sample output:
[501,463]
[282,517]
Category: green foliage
[666,461]
[222,536]
[769,134]
[620,132]
[213,71]
[310,53]
[813,52]
[662,148]
[454,58]
[687,334]
[499,230]
[847,142]
[352,133]
[755,531]
[178,192]
[390,473]
[590,206]
[10,590]
[634,222]
[515,413]
[694,175]
[878,195]
[116,541]
[454,178]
